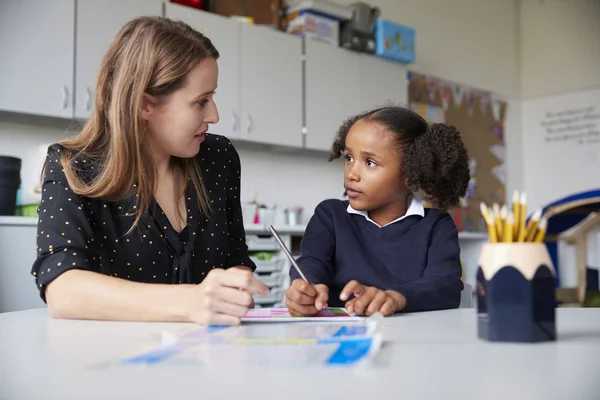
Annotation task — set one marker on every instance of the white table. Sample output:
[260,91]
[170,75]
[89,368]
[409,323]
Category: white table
[434,355]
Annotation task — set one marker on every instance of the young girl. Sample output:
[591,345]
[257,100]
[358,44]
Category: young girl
[381,250]
[140,217]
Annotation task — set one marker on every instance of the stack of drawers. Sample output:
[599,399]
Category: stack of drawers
[272,267]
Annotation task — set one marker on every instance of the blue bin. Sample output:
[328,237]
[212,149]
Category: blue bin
[394,41]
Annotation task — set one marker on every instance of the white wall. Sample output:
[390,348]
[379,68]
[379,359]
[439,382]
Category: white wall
[560,46]
[560,67]
[473,42]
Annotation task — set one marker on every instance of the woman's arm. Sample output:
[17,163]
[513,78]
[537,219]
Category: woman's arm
[221,299]
[80,294]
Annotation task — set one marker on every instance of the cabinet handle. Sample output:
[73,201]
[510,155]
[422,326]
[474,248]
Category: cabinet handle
[234,120]
[250,123]
[65,97]
[88,99]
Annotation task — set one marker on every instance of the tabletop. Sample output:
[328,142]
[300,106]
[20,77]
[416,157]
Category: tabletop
[432,355]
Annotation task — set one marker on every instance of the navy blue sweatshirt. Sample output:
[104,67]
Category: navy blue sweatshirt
[418,256]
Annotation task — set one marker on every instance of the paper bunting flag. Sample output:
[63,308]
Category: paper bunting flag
[445,93]
[496,107]
[432,88]
[484,101]
[457,94]
[471,96]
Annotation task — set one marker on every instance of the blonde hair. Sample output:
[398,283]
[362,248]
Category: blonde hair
[150,55]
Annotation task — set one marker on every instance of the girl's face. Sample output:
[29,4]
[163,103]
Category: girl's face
[177,126]
[373,175]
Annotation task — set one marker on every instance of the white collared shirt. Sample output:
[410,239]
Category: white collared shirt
[415,207]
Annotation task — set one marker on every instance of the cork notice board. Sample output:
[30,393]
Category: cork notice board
[479,116]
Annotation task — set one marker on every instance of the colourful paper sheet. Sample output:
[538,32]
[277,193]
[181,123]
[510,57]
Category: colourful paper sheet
[282,315]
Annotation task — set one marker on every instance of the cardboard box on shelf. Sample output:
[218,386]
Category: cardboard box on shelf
[262,12]
[313,26]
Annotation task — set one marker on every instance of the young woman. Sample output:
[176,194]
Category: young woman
[381,250]
[140,216]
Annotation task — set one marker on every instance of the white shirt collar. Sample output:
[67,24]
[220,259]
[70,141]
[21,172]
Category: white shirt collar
[415,207]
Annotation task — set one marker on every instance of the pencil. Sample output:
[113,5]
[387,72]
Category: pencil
[508,228]
[522,217]
[533,225]
[497,219]
[489,220]
[541,231]
[516,213]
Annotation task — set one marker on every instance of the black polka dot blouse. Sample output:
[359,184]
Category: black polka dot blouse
[91,234]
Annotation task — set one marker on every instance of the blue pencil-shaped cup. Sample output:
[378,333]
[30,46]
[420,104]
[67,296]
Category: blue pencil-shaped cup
[516,293]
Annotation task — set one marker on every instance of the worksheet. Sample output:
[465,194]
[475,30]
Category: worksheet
[266,345]
[282,315]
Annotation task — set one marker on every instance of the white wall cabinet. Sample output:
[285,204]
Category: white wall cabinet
[225,35]
[332,91]
[271,86]
[36,57]
[97,24]
[381,81]
[52,56]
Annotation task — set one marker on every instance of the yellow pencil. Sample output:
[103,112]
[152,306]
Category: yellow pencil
[516,213]
[489,221]
[497,219]
[522,217]
[541,231]
[532,225]
[508,228]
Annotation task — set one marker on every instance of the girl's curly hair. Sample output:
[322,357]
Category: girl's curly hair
[435,159]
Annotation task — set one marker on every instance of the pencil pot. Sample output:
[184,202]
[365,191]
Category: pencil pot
[516,293]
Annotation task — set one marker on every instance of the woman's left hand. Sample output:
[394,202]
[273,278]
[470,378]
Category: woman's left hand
[368,300]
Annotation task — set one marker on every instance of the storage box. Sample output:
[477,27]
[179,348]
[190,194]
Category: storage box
[262,12]
[394,41]
[313,26]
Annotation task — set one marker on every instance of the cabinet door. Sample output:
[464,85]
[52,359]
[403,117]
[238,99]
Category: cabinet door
[225,35]
[271,86]
[381,81]
[36,56]
[97,24]
[332,91]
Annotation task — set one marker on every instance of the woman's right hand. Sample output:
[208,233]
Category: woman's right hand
[305,300]
[223,297]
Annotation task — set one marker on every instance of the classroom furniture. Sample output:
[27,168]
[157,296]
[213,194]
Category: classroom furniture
[431,355]
[275,89]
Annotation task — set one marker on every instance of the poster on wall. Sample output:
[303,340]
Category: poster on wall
[479,116]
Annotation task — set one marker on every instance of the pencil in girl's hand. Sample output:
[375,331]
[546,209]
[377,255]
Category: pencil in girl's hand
[533,225]
[522,217]
[508,228]
[516,213]
[497,219]
[541,231]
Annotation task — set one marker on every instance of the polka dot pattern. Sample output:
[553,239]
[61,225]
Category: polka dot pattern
[76,232]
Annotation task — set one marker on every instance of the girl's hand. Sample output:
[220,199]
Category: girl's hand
[368,300]
[223,297]
[305,300]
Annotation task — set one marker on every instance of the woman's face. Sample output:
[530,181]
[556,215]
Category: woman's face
[178,124]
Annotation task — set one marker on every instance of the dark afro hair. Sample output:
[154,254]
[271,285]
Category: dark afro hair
[435,158]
